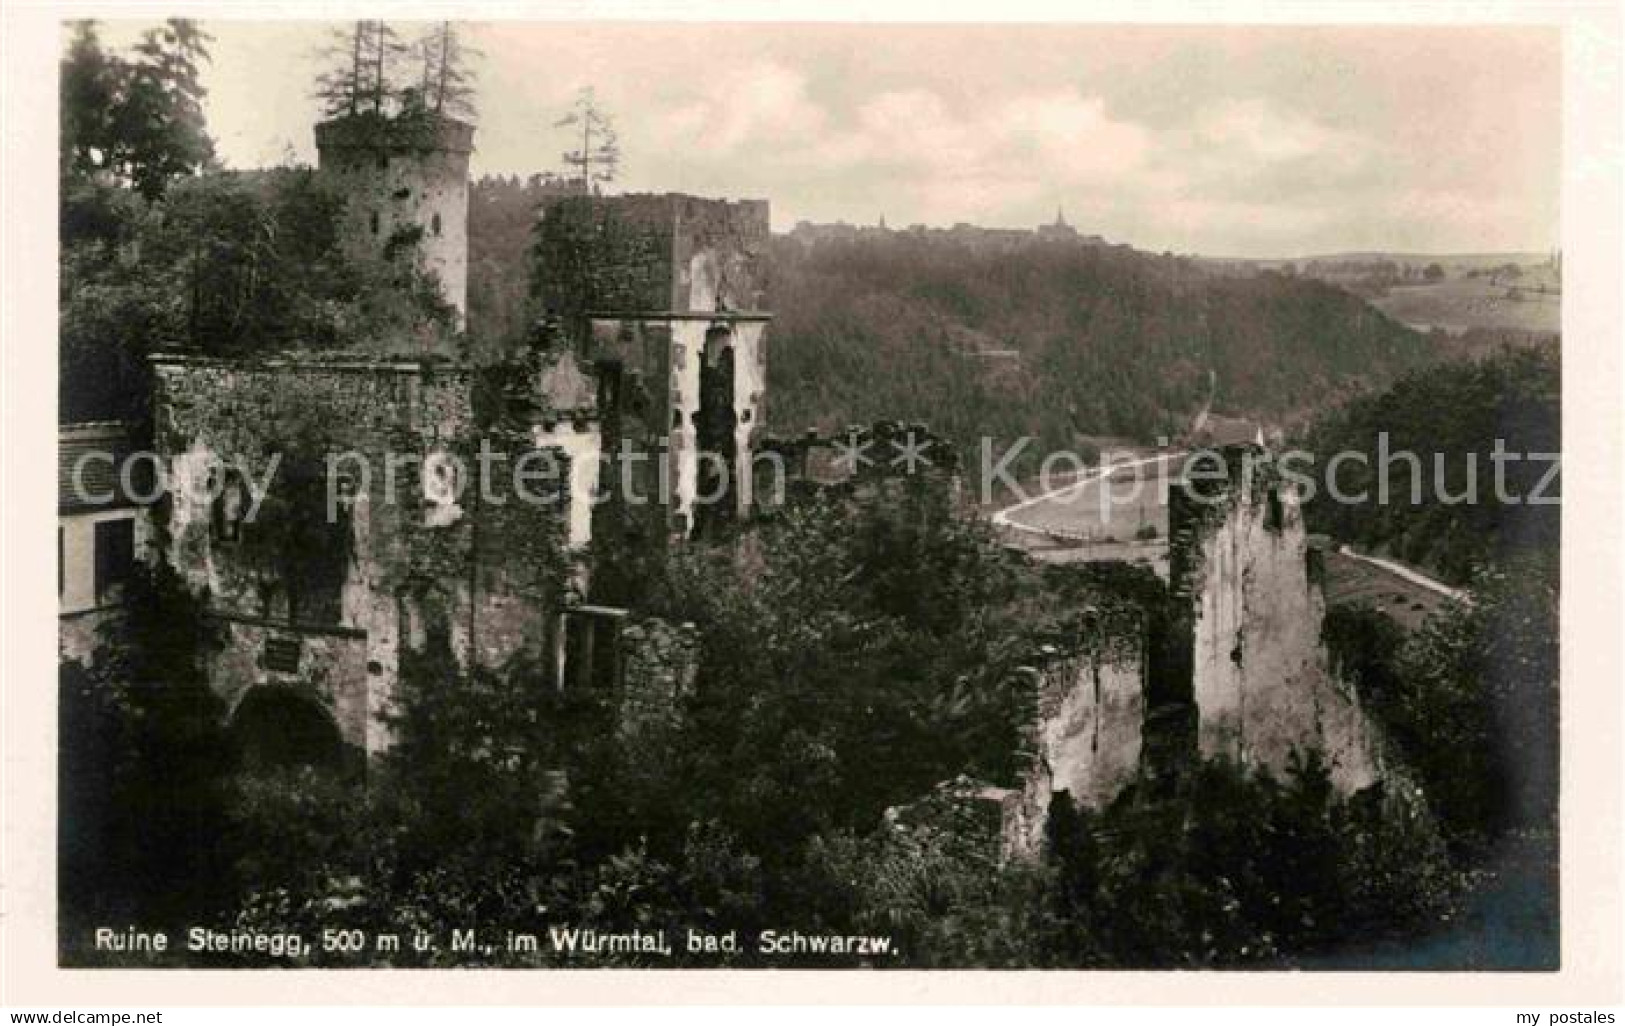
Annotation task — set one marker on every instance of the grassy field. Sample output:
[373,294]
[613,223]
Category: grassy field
[1350,582]
[1119,513]
[1458,304]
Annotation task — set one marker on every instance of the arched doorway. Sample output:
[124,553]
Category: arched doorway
[277,728]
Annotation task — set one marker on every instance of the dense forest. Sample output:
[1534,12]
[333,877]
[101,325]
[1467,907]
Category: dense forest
[1105,340]
[1441,509]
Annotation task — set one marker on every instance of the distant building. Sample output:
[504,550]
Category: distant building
[1228,432]
[1059,231]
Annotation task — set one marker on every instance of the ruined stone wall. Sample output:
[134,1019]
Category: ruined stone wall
[1227,663]
[404,173]
[416,554]
[663,291]
[663,363]
[719,251]
[1086,736]
[654,253]
[1261,677]
[638,361]
[660,664]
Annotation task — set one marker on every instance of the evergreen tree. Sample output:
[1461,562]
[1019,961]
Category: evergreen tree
[447,82]
[598,161]
[340,88]
[141,119]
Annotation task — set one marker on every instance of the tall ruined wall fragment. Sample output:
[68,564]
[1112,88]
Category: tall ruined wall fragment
[663,292]
[652,253]
[1086,735]
[1261,677]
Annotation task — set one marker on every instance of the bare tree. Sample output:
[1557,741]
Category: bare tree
[599,158]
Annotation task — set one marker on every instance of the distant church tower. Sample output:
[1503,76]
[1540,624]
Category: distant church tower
[399,173]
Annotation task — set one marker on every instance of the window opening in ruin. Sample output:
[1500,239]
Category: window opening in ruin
[115,557]
[229,507]
[373,222]
[442,481]
[1274,514]
[592,647]
[715,422]
[434,224]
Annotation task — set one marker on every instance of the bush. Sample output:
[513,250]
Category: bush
[1244,870]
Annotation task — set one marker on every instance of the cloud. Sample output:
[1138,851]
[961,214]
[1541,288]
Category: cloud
[1256,130]
[740,109]
[1074,137]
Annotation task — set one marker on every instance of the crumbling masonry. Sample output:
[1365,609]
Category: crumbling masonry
[653,351]
[1228,664]
[376,540]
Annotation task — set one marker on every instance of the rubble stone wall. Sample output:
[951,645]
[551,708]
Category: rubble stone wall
[413,556]
[400,174]
[1261,677]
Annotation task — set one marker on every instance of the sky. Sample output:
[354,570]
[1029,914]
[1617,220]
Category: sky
[1225,141]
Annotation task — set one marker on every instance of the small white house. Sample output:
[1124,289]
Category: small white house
[97,530]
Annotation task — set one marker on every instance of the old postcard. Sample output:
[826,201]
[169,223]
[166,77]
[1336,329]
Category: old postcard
[840,496]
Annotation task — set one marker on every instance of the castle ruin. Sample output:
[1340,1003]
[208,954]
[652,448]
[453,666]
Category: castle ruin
[1226,662]
[377,542]
[405,183]
[654,347]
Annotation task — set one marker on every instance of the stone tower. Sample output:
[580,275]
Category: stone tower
[667,290]
[403,174]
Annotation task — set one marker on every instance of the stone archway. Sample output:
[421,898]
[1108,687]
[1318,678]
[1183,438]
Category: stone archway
[275,727]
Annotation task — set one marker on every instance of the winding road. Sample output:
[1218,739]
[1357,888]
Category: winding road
[1001,518]
[1004,518]
[1414,576]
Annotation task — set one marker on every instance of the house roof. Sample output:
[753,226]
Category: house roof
[96,451]
[1224,432]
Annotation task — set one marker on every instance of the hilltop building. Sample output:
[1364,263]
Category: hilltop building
[1059,231]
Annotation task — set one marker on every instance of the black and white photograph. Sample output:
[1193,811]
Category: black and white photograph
[842,496]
